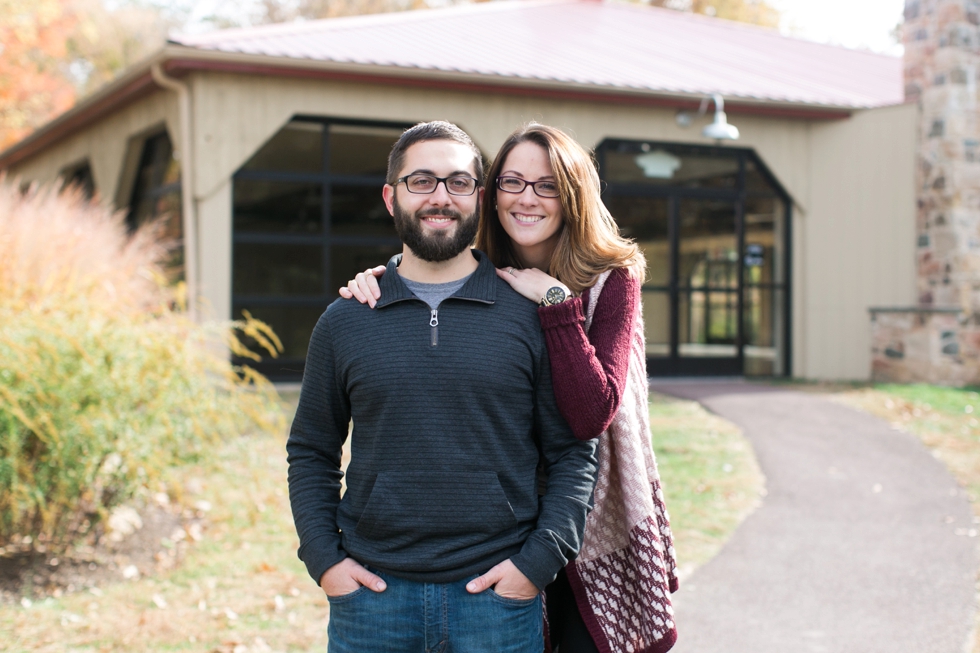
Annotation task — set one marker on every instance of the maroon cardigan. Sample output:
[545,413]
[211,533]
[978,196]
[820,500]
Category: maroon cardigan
[589,371]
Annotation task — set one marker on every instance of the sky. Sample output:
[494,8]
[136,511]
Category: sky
[852,23]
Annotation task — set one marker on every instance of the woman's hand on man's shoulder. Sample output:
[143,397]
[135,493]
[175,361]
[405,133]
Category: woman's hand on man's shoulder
[531,282]
[364,286]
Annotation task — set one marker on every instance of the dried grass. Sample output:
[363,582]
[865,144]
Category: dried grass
[105,383]
[57,246]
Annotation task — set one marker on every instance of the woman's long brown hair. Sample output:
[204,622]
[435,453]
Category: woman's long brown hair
[589,242]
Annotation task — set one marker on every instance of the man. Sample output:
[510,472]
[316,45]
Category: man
[441,542]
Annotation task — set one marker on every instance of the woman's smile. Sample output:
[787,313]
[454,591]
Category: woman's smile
[532,222]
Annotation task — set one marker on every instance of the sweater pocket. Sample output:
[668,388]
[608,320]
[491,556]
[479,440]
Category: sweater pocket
[462,508]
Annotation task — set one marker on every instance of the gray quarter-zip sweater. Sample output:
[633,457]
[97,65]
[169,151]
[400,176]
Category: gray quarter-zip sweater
[452,413]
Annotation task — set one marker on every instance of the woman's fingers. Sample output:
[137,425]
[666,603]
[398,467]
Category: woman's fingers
[354,286]
[367,283]
[525,282]
[364,286]
[507,276]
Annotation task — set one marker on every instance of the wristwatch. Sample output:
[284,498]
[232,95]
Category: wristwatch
[554,295]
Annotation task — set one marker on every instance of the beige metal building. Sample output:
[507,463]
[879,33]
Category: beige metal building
[268,147]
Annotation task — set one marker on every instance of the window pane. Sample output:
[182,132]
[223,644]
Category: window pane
[347,261]
[708,247]
[356,150]
[157,188]
[656,322]
[359,211]
[79,176]
[141,212]
[764,330]
[765,239]
[277,270]
[754,179]
[167,208]
[168,204]
[170,173]
[645,220]
[708,324]
[293,325]
[669,165]
[297,147]
[277,207]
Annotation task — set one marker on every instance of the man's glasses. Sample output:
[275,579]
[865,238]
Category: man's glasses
[517,185]
[426,184]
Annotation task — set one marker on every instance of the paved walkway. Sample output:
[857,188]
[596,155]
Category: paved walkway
[854,548]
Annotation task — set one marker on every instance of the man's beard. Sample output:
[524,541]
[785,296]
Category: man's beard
[437,245]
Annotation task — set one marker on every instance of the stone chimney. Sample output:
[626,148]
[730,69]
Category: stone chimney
[939,340]
[942,61]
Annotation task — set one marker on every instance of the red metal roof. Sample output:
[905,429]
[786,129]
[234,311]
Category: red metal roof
[602,45]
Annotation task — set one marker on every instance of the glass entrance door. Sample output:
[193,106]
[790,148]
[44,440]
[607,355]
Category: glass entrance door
[714,229]
[708,280]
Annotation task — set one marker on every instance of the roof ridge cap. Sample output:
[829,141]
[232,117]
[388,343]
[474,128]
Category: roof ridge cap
[352,22]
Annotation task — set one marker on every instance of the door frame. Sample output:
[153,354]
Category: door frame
[674,364]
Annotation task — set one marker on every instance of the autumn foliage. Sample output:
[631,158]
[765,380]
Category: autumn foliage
[34,85]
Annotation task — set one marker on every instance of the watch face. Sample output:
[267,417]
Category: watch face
[555,295]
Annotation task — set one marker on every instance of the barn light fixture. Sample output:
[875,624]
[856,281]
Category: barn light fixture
[719,129]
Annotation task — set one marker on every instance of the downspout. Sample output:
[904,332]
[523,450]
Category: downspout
[188,212]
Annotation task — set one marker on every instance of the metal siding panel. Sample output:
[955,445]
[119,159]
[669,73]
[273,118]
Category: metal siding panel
[861,235]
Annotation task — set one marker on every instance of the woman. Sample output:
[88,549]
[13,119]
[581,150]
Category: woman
[544,226]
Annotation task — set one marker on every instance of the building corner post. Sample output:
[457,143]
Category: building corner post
[188,208]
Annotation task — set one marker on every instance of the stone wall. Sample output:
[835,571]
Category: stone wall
[942,64]
[928,345]
[939,341]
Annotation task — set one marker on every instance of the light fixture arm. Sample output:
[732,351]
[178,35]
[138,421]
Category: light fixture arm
[718,100]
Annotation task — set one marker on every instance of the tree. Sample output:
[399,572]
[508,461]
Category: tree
[757,12]
[104,42]
[34,83]
[53,51]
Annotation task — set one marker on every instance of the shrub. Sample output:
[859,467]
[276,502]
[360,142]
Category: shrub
[104,381]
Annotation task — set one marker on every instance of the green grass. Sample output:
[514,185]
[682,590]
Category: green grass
[710,476]
[950,401]
[224,593]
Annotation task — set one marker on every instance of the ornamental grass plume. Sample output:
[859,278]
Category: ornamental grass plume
[58,246]
[105,383]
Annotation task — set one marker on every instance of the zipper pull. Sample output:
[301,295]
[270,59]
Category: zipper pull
[434,323]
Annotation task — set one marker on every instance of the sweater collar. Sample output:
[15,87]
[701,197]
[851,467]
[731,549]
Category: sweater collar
[480,287]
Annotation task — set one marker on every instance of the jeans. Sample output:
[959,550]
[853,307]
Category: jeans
[411,617]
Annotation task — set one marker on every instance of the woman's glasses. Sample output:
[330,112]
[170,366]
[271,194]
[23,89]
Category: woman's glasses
[517,185]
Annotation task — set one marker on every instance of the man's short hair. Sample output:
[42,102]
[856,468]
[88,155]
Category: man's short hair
[437,130]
